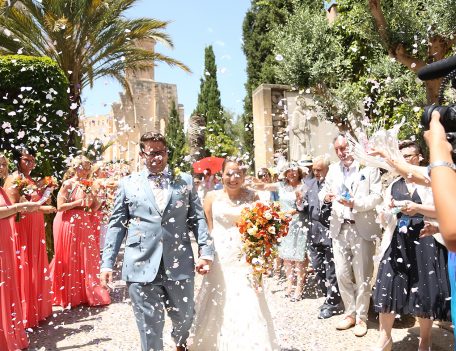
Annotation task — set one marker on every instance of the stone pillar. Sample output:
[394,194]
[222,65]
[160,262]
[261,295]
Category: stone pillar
[269,124]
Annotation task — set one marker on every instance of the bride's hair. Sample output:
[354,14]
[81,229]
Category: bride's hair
[236,160]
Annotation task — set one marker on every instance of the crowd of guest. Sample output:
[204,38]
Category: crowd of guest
[29,284]
[353,222]
[344,215]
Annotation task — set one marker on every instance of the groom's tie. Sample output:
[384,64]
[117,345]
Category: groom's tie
[159,184]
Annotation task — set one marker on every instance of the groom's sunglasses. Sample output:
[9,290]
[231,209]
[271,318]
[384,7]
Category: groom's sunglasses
[153,154]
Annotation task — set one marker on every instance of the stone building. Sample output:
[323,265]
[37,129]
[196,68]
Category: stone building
[147,110]
[102,128]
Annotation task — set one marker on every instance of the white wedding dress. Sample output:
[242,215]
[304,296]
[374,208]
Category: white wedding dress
[230,314]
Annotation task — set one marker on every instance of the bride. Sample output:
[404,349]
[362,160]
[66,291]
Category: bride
[230,313]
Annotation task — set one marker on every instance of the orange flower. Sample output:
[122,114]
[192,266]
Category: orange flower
[261,226]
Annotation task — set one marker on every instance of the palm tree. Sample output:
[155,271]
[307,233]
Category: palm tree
[88,39]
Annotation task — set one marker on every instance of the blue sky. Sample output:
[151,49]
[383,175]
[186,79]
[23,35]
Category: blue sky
[194,25]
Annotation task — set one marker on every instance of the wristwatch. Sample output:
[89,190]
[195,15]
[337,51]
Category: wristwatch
[440,164]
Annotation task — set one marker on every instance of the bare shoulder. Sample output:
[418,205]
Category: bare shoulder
[69,183]
[250,195]
[211,195]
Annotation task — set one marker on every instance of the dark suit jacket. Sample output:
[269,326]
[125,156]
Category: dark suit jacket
[317,216]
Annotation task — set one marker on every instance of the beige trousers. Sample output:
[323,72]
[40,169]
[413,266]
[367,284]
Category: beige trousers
[353,258]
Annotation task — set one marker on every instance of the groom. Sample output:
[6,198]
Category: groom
[156,210]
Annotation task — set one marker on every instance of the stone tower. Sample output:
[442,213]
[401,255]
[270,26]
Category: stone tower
[147,109]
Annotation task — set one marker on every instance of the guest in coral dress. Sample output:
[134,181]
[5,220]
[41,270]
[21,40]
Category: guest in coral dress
[76,264]
[33,265]
[12,332]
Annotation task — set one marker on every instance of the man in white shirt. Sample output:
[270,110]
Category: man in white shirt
[354,192]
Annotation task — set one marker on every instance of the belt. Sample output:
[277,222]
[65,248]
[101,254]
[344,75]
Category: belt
[349,221]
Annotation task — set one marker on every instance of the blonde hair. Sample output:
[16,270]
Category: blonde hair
[70,172]
[2,155]
[79,160]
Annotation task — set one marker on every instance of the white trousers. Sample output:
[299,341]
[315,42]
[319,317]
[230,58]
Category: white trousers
[353,258]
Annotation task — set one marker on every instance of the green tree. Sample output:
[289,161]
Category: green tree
[176,140]
[258,47]
[217,142]
[348,64]
[33,108]
[224,140]
[414,33]
[88,39]
[95,150]
[209,102]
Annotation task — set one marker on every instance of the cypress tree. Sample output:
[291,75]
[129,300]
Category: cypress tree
[175,139]
[258,48]
[217,141]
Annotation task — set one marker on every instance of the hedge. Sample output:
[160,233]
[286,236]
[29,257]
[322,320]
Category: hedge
[33,108]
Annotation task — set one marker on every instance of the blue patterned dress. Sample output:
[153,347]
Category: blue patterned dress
[292,247]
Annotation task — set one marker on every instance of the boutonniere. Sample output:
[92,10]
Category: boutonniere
[183,189]
[175,175]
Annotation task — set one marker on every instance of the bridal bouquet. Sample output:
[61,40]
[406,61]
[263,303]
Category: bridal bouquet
[24,186]
[262,226]
[50,182]
[87,185]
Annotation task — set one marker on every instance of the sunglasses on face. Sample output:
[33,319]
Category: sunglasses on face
[153,154]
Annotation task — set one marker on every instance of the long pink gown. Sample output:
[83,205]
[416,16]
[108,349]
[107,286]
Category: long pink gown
[33,267]
[12,332]
[76,264]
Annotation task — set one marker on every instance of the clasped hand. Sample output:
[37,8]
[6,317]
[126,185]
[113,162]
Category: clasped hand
[203,266]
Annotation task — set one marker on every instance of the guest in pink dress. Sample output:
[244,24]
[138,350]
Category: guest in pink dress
[33,265]
[12,332]
[76,264]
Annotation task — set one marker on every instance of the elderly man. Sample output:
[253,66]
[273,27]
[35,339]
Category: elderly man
[319,241]
[354,193]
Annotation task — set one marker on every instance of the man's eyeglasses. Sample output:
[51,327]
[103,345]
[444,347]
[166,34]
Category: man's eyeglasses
[153,154]
[409,156]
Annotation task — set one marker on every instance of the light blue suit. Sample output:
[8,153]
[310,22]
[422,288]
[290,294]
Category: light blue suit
[158,262]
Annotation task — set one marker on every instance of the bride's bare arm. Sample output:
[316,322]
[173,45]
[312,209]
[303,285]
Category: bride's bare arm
[256,184]
[207,206]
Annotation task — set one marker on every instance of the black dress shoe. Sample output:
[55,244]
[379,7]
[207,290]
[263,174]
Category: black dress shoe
[327,311]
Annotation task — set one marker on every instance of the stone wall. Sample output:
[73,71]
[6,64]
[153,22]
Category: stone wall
[269,123]
[286,124]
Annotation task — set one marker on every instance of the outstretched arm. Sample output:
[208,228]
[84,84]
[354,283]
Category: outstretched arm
[410,172]
[443,180]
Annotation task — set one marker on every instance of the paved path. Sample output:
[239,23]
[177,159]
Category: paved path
[298,329]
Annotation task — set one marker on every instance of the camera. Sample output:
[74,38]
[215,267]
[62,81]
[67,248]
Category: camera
[444,68]
[448,121]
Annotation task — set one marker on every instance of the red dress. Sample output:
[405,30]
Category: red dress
[76,264]
[33,268]
[12,332]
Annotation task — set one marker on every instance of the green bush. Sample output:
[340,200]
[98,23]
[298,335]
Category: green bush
[33,109]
